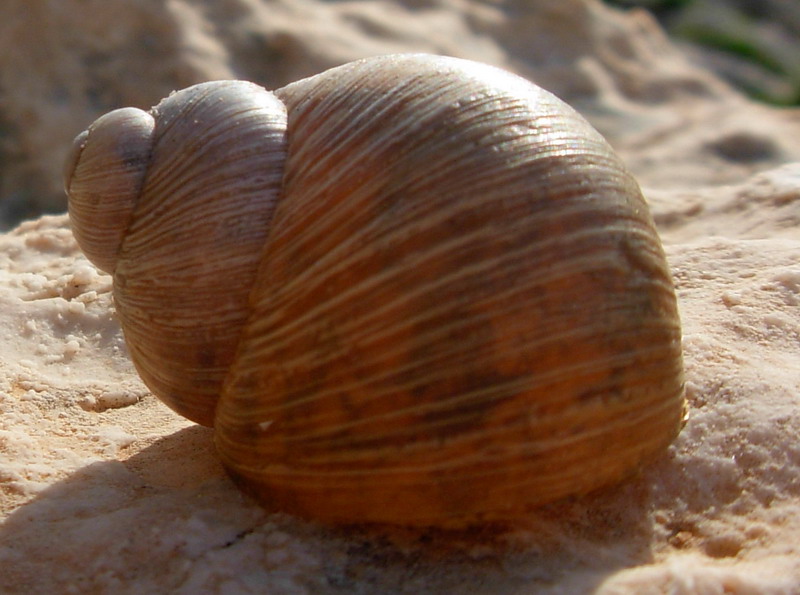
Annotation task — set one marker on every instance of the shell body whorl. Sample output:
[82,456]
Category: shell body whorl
[451,301]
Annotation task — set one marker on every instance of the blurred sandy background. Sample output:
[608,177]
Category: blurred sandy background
[62,64]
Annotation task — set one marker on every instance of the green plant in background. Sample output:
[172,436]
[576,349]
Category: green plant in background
[753,44]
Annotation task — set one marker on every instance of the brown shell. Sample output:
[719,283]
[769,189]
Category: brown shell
[463,308]
[427,290]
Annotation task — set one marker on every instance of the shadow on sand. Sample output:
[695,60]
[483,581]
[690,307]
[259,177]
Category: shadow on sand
[168,519]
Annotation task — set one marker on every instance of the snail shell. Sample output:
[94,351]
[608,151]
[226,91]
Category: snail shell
[411,289]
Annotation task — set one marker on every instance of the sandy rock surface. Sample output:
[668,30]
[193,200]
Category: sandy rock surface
[102,489]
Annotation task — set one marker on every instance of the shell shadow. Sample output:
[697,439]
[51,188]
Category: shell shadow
[168,519]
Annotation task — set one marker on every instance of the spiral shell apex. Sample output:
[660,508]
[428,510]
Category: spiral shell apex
[410,289]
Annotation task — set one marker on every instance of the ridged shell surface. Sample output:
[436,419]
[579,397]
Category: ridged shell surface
[191,251]
[103,177]
[462,308]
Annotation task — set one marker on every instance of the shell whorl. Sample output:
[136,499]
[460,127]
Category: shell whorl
[463,307]
[411,289]
[103,177]
[192,236]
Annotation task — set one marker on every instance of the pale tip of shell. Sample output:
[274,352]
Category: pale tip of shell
[73,157]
